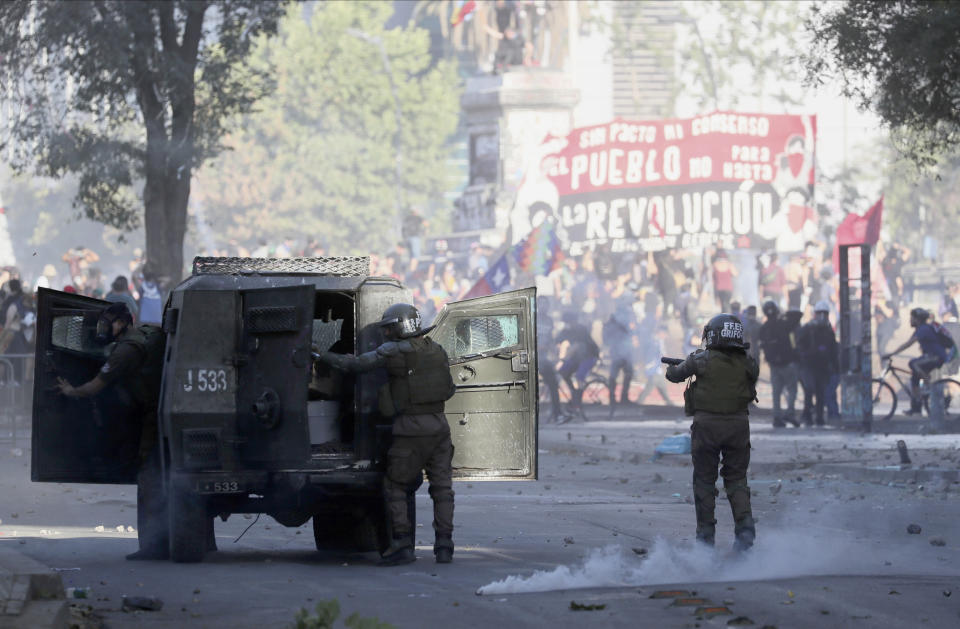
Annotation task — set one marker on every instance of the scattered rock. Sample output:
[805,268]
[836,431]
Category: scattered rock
[640,551]
[657,478]
[775,489]
[586,607]
[938,541]
[144,603]
[568,540]
[914,529]
[740,621]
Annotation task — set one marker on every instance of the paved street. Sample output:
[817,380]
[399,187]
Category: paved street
[605,525]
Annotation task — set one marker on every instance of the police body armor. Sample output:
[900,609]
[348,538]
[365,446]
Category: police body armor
[722,385]
[420,380]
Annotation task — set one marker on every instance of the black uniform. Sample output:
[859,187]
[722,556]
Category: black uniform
[131,367]
[718,401]
[419,383]
[819,361]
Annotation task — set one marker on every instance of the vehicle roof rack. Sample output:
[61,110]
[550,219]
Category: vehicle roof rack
[345,266]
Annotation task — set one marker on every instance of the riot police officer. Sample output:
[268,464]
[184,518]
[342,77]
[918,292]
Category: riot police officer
[718,398]
[133,366]
[419,384]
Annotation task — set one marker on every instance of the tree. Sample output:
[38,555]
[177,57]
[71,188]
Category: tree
[320,156]
[127,92]
[900,59]
[729,54]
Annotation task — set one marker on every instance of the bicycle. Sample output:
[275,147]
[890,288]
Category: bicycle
[885,396]
[580,403]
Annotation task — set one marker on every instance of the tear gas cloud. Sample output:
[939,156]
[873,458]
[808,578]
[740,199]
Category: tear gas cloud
[822,546]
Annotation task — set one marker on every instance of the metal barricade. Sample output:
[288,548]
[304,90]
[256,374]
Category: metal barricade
[16,397]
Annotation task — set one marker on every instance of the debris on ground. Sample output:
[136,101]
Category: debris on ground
[145,603]
[775,489]
[914,529]
[639,551]
[740,621]
[84,617]
[657,478]
[674,444]
[76,592]
[938,541]
[586,607]
[568,540]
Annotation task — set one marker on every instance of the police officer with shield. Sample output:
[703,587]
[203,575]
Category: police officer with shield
[724,384]
[419,383]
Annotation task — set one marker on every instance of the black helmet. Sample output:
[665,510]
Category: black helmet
[724,330]
[770,308]
[918,316]
[401,321]
[107,317]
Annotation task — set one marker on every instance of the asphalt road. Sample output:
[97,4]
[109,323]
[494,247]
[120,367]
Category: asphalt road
[830,552]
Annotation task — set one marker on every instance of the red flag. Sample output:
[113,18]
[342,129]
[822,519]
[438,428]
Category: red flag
[465,9]
[859,230]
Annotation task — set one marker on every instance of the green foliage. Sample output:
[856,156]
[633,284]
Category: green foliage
[730,54]
[319,157]
[900,59]
[128,93]
[326,615]
[737,52]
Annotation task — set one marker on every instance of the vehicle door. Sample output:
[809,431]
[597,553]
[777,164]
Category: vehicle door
[78,440]
[274,376]
[491,344]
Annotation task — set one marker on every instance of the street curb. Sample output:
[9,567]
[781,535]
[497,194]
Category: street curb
[31,594]
[854,473]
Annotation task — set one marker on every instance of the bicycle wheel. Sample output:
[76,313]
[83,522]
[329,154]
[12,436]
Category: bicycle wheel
[884,400]
[595,399]
[950,390]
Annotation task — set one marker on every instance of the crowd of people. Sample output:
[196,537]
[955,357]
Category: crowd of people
[605,314]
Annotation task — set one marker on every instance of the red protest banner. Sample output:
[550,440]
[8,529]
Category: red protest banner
[731,179]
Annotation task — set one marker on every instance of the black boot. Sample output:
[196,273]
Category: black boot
[706,534]
[443,549]
[398,553]
[744,528]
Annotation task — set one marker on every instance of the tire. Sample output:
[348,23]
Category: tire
[951,398]
[188,525]
[595,395]
[884,400]
[358,528]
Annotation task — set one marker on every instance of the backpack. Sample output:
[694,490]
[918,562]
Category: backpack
[943,335]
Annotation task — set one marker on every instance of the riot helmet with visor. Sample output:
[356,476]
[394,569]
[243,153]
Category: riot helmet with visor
[723,331]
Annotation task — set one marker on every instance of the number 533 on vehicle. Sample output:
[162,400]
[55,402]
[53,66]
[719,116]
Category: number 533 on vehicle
[201,380]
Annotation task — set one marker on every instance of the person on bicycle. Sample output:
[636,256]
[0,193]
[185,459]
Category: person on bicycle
[578,351]
[933,357]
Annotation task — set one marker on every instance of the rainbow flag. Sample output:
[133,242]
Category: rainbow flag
[540,252]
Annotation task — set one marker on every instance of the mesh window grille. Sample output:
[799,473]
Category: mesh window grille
[340,266]
[475,335]
[67,332]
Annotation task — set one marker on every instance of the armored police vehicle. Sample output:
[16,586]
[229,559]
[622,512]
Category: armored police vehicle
[248,424]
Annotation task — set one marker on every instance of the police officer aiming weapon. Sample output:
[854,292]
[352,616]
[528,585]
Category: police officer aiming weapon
[724,384]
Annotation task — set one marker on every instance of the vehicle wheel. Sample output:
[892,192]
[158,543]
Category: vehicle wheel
[332,531]
[884,400]
[595,399]
[188,525]
[358,528]
[951,398]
